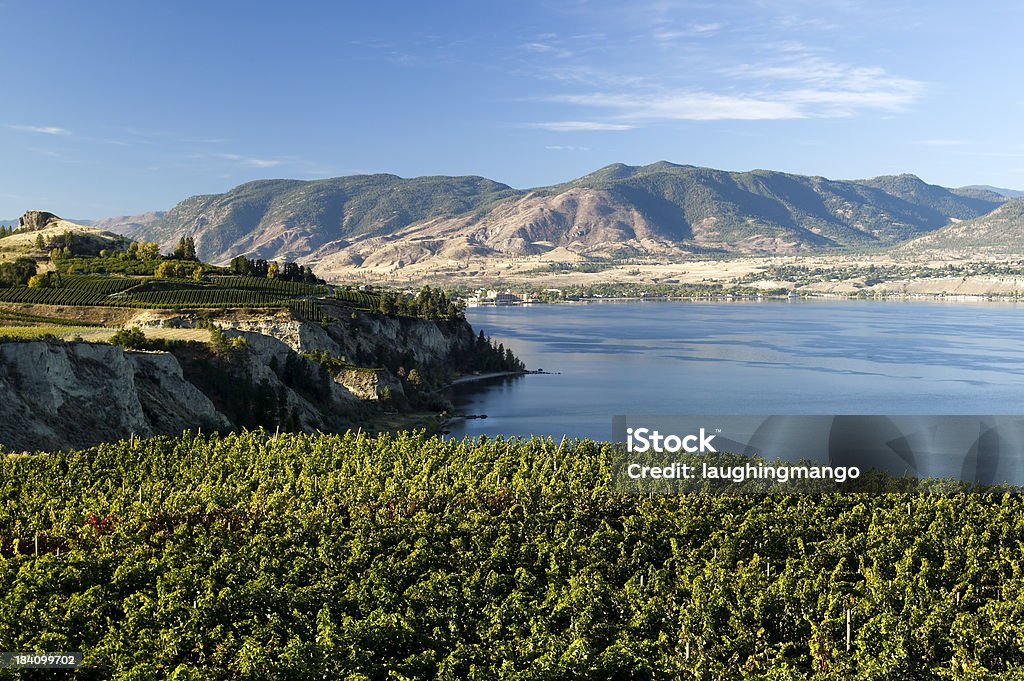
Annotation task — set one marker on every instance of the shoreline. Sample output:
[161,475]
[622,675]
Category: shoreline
[482,377]
[447,420]
[470,378]
[919,298]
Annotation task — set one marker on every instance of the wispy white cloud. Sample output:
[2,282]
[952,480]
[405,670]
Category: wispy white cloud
[41,129]
[538,47]
[669,34]
[688,106]
[574,126]
[795,85]
[800,23]
[821,87]
[692,60]
[565,147]
[249,161]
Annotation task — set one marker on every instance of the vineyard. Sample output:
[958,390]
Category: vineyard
[34,332]
[8,316]
[76,290]
[358,299]
[273,286]
[346,557]
[219,292]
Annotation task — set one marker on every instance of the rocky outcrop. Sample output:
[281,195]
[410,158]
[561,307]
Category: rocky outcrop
[379,341]
[62,395]
[363,339]
[36,219]
[377,344]
[59,395]
[370,384]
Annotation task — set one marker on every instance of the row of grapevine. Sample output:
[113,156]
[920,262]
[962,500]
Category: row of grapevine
[56,296]
[292,289]
[213,297]
[310,310]
[99,284]
[358,299]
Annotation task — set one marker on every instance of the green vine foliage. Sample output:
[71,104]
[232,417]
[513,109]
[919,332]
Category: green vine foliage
[411,557]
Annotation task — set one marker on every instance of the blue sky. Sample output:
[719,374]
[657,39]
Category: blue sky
[114,108]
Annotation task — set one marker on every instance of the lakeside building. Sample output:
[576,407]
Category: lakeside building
[495,297]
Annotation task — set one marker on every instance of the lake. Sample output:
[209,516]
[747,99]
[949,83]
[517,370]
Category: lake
[744,358]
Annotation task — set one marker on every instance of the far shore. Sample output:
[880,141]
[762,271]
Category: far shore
[921,297]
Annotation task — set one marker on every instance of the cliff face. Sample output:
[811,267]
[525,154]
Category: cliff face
[62,395]
[368,340]
[78,394]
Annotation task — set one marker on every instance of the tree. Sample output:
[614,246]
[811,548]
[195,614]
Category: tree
[17,272]
[240,265]
[149,251]
[170,269]
[273,270]
[40,244]
[259,268]
[291,272]
[131,339]
[220,344]
[45,280]
[185,250]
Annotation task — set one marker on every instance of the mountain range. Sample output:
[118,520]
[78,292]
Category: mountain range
[385,223]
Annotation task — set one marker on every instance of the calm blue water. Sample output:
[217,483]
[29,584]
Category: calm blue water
[777,357]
